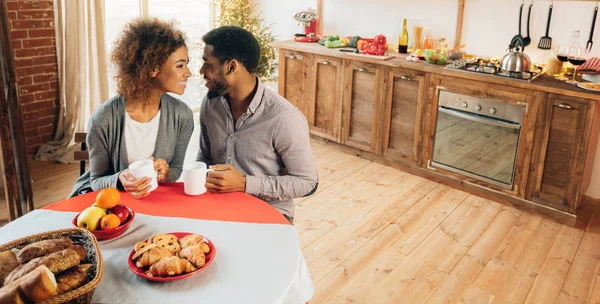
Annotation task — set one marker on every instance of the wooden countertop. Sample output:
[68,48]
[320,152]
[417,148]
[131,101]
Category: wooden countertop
[544,83]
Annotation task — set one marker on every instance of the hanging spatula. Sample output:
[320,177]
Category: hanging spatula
[590,43]
[546,41]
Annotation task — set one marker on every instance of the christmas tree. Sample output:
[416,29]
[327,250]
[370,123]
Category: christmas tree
[241,13]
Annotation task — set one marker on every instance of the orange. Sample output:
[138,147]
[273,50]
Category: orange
[108,198]
[110,221]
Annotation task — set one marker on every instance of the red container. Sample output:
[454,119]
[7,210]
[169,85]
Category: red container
[140,272]
[108,234]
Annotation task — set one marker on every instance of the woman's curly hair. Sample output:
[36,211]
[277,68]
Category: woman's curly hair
[144,45]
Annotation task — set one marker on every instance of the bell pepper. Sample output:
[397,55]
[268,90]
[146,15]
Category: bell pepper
[380,40]
[360,44]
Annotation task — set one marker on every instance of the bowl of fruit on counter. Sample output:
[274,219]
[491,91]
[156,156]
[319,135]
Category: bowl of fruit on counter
[435,57]
[106,218]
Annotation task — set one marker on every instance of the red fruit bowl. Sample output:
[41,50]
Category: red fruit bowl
[109,234]
[142,273]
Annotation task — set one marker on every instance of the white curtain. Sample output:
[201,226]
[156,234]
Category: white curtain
[82,72]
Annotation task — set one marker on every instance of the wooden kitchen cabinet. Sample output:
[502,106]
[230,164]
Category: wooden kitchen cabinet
[403,115]
[562,146]
[362,109]
[324,112]
[294,69]
[387,111]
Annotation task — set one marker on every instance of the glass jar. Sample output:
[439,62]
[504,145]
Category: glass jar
[428,41]
[554,66]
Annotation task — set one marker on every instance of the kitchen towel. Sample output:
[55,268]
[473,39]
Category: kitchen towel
[590,65]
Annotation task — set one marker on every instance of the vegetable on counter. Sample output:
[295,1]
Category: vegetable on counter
[352,42]
[333,41]
[376,48]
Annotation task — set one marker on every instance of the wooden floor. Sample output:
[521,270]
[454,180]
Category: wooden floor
[51,182]
[374,234]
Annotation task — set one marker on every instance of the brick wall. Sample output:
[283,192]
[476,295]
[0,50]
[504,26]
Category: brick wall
[34,49]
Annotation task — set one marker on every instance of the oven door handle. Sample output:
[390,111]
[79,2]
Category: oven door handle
[479,118]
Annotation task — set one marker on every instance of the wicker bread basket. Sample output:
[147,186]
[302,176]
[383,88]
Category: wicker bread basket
[81,237]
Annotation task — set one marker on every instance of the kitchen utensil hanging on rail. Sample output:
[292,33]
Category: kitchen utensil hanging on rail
[590,42]
[527,40]
[546,41]
[518,37]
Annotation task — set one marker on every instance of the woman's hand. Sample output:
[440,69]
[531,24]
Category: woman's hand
[137,188]
[162,168]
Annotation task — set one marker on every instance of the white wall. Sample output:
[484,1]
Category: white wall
[488,26]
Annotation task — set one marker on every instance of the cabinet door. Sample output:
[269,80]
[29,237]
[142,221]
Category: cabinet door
[364,84]
[564,144]
[293,78]
[402,115]
[325,108]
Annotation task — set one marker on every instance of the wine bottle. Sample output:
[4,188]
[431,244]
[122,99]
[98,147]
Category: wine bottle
[403,40]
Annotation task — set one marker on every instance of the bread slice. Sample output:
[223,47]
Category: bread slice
[36,286]
[12,294]
[8,263]
[39,284]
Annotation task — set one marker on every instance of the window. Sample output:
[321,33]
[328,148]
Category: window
[192,17]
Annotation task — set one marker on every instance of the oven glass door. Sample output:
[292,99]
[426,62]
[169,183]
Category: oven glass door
[476,146]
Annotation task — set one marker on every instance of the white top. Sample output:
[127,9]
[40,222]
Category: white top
[140,137]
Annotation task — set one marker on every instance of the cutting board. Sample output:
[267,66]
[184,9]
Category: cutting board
[384,57]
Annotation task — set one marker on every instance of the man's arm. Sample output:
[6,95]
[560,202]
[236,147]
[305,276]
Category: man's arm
[292,141]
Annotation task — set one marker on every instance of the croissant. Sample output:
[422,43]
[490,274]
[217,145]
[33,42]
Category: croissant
[194,254]
[190,240]
[152,256]
[171,266]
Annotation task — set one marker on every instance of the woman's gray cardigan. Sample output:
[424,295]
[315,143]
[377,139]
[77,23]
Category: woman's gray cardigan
[108,152]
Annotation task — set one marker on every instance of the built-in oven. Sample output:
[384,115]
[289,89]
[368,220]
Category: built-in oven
[478,138]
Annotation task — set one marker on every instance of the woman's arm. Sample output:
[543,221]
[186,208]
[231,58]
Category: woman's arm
[101,169]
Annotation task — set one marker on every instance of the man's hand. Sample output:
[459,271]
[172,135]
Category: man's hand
[162,168]
[225,179]
[137,188]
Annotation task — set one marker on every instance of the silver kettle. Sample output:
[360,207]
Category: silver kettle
[515,60]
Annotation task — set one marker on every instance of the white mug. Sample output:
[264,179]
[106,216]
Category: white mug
[144,168]
[194,178]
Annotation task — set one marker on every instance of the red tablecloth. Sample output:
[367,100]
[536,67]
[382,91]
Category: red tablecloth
[169,200]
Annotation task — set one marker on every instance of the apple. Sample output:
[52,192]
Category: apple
[90,218]
[121,211]
[103,209]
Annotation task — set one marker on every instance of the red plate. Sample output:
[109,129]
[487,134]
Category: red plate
[209,258]
[109,234]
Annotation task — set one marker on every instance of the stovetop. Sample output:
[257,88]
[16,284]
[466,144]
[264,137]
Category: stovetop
[489,67]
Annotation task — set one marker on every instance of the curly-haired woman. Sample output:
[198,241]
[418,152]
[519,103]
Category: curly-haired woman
[142,121]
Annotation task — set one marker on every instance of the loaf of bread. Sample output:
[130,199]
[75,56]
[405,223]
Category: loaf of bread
[8,263]
[73,278]
[36,286]
[42,248]
[56,262]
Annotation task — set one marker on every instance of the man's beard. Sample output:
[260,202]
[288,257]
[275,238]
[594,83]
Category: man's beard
[221,86]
